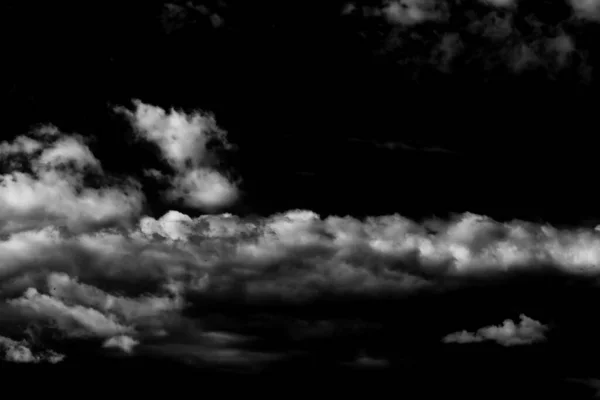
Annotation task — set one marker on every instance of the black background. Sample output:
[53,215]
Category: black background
[293,84]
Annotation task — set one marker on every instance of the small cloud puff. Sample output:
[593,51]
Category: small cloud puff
[527,331]
[123,342]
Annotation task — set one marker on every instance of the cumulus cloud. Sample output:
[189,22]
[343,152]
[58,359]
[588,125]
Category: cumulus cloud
[133,287]
[172,226]
[20,352]
[294,255]
[527,331]
[183,140]
[46,185]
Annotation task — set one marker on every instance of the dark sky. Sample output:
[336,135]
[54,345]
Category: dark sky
[313,95]
[381,190]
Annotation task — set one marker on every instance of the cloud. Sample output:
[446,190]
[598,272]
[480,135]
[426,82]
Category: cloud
[216,355]
[20,352]
[586,9]
[295,256]
[364,361]
[203,188]
[47,186]
[409,12]
[183,140]
[500,3]
[400,12]
[75,320]
[137,285]
[172,226]
[527,331]
[81,310]
[122,342]
[175,17]
[501,38]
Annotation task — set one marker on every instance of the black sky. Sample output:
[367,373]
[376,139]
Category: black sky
[294,84]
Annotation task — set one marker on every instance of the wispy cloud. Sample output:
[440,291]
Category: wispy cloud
[403,146]
[503,44]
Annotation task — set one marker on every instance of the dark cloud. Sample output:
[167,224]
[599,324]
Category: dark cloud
[499,37]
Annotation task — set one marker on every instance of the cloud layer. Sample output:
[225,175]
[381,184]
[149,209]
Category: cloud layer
[54,278]
[83,262]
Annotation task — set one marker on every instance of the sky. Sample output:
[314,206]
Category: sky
[369,194]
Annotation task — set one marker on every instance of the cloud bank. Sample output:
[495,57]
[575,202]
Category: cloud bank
[527,331]
[82,261]
[88,285]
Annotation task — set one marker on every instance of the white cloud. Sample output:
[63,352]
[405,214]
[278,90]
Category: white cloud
[586,9]
[183,140]
[76,320]
[126,310]
[20,352]
[527,331]
[173,226]
[54,193]
[335,254]
[123,342]
[292,256]
[203,188]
